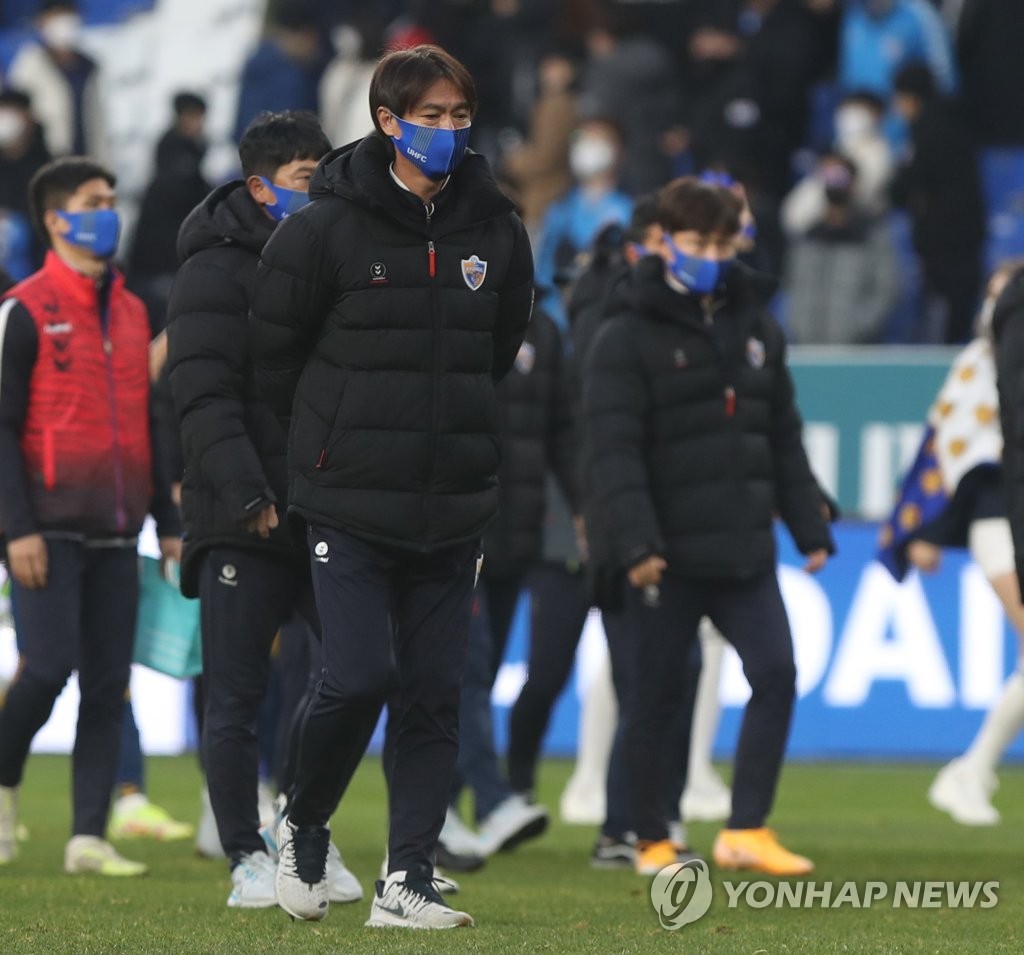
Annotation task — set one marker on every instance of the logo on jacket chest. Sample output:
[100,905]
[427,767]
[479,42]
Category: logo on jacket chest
[379,274]
[59,335]
[755,353]
[474,271]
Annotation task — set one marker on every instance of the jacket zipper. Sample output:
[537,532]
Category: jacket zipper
[436,391]
[108,351]
[709,309]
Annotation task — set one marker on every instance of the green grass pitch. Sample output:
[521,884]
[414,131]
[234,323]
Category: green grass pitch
[858,822]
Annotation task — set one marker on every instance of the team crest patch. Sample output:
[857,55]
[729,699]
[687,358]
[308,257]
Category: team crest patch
[474,271]
[525,358]
[755,353]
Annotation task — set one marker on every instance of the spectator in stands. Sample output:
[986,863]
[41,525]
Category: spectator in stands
[661,516]
[284,71]
[939,186]
[631,80]
[989,40]
[63,83]
[879,37]
[177,187]
[594,201]
[841,277]
[345,85]
[22,152]
[539,166]
[73,497]
[752,64]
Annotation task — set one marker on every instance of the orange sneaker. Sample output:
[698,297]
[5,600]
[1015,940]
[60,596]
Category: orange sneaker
[759,851]
[652,857]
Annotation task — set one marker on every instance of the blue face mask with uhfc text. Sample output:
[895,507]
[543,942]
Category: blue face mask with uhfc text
[435,150]
[97,231]
[288,200]
[701,276]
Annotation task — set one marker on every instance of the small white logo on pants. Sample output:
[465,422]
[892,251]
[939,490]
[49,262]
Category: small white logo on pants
[229,575]
[321,552]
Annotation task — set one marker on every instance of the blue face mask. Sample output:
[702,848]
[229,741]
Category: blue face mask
[96,231]
[436,151]
[700,276]
[749,231]
[288,200]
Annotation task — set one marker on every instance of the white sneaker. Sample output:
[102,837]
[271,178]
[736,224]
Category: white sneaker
[579,807]
[8,823]
[401,904]
[301,870]
[342,885]
[513,821]
[443,882]
[707,799]
[965,794]
[207,837]
[253,882]
[93,854]
[457,837]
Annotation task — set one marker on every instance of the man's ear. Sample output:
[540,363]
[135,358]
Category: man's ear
[259,192]
[388,123]
[54,222]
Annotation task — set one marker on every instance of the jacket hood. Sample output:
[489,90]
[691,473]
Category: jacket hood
[359,172]
[227,216]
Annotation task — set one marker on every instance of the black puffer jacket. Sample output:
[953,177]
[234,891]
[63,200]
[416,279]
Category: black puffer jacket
[692,437]
[535,422]
[233,444]
[384,330]
[1008,328]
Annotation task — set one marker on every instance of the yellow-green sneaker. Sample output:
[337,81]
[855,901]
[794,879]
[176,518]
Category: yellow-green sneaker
[93,854]
[135,817]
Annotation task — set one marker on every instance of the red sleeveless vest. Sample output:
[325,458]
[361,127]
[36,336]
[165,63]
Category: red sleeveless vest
[86,437]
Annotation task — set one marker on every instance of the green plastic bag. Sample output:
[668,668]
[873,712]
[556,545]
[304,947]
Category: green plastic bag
[167,633]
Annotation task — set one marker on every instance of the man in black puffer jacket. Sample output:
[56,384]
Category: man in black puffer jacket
[237,557]
[385,312]
[692,446]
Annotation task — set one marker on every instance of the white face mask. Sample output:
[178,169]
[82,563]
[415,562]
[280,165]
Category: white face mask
[12,127]
[61,31]
[591,156]
[853,122]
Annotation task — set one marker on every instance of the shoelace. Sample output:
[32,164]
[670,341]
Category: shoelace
[418,898]
[309,844]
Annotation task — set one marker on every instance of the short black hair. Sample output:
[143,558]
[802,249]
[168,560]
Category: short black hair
[864,97]
[916,79]
[687,204]
[56,182]
[645,214]
[186,102]
[403,76]
[48,6]
[273,140]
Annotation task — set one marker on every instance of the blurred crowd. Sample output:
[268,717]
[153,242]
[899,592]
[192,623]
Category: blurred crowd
[852,127]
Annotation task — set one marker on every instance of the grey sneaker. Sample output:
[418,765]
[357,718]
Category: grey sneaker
[511,822]
[301,870]
[398,903]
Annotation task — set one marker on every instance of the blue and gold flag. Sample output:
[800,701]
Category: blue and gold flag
[922,499]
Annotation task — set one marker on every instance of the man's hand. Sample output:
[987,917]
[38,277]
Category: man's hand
[924,555]
[264,522]
[816,559]
[27,561]
[170,554]
[648,572]
[157,355]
